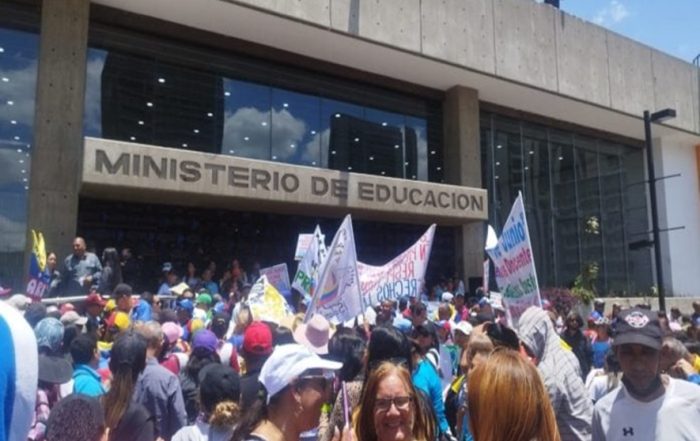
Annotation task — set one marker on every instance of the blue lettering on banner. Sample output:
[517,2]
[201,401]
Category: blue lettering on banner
[399,288]
[513,236]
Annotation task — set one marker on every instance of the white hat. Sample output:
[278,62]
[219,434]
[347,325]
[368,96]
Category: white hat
[180,288]
[19,301]
[287,363]
[447,296]
[464,327]
[73,318]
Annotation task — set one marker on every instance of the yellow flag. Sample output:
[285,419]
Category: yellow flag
[39,248]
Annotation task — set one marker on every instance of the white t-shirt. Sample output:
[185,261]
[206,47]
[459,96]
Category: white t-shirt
[674,416]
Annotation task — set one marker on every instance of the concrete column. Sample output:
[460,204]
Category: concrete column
[463,167]
[58,123]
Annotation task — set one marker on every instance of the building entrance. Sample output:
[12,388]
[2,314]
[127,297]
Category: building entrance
[180,235]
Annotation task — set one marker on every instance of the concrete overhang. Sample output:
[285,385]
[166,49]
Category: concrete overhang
[327,44]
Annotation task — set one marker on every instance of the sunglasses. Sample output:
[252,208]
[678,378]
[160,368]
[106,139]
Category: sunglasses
[384,404]
[323,380]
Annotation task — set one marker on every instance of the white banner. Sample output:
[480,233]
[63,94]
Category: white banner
[515,266]
[338,296]
[278,276]
[306,276]
[403,276]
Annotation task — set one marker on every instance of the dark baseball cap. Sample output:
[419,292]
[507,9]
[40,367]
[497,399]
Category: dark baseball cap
[638,326]
[219,383]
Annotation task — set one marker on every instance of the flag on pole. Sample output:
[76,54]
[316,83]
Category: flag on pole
[514,264]
[39,279]
[308,270]
[338,296]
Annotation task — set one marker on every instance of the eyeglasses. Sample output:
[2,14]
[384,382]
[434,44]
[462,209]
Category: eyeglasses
[323,380]
[384,404]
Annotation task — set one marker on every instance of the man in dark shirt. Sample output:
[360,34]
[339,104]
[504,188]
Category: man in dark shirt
[257,347]
[158,389]
[81,270]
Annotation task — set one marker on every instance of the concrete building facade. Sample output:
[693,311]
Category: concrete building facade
[402,113]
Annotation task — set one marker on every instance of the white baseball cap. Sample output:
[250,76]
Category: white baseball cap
[464,327]
[287,363]
[447,296]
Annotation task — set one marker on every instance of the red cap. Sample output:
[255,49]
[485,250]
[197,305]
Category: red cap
[257,339]
[95,299]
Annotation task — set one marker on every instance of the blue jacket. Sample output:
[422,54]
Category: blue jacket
[86,381]
[426,379]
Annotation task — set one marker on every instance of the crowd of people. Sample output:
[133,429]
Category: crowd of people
[196,364]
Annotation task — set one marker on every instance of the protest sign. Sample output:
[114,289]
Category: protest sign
[39,278]
[266,303]
[515,266]
[338,296]
[303,243]
[307,272]
[487,269]
[278,276]
[402,276]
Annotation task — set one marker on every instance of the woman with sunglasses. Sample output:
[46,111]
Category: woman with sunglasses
[390,409]
[296,384]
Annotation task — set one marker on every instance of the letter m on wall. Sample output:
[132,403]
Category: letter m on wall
[102,162]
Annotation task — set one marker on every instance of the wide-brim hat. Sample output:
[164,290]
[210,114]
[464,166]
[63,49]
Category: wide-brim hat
[54,369]
[314,334]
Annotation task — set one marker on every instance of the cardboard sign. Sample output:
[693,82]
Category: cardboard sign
[303,243]
[278,276]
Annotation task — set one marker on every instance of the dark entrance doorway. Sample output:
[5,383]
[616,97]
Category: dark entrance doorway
[163,233]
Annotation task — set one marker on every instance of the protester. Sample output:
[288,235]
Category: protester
[158,389]
[86,360]
[77,418]
[388,343]
[257,347]
[125,418]
[349,349]
[676,361]
[578,342]
[648,404]
[174,353]
[560,372]
[54,370]
[54,276]
[296,387]
[508,401]
[111,271]
[390,409]
[94,305]
[219,393]
[601,383]
[427,379]
[190,277]
[81,270]
[35,313]
[122,298]
[600,346]
[204,346]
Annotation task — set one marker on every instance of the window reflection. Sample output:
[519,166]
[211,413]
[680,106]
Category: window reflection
[584,197]
[145,100]
[18,69]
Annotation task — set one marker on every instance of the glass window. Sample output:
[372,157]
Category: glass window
[585,200]
[537,193]
[18,70]
[248,121]
[296,120]
[148,100]
[588,184]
